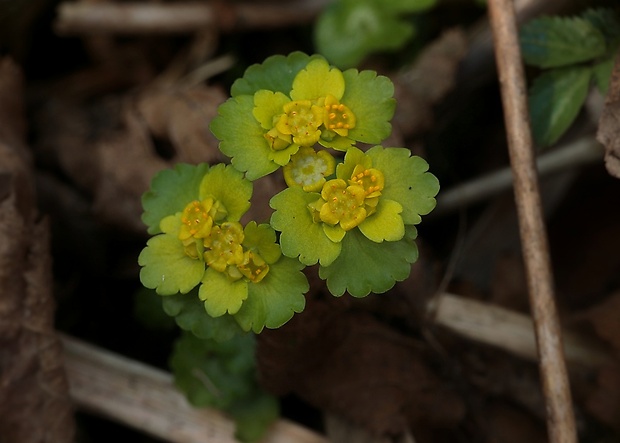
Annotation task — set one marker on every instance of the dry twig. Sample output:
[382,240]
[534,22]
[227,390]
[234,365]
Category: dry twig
[560,418]
[145,398]
[165,18]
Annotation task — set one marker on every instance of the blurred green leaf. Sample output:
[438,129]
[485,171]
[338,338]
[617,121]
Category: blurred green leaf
[254,415]
[555,99]
[549,42]
[149,312]
[214,374]
[602,74]
[349,30]
[190,315]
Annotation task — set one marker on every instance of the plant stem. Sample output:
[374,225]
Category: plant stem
[560,418]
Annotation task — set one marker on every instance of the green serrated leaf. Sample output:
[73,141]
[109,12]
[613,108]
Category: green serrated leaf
[602,74]
[606,21]
[364,266]
[220,294]
[550,42]
[215,374]
[242,138]
[276,74]
[348,31]
[171,190]
[165,266]
[371,99]
[300,235]
[274,300]
[407,181]
[190,315]
[555,99]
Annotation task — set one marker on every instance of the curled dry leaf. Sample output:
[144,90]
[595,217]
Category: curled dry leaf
[427,82]
[112,148]
[609,124]
[34,400]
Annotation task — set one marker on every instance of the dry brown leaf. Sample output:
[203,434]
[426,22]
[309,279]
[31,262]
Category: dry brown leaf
[34,401]
[420,88]
[609,124]
[182,117]
[352,365]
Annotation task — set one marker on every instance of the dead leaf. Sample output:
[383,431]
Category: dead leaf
[432,76]
[182,117]
[609,124]
[34,400]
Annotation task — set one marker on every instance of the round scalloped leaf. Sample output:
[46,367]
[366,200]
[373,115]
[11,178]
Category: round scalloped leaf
[165,266]
[371,99]
[190,315]
[300,235]
[406,181]
[276,73]
[220,294]
[227,185]
[242,138]
[262,239]
[215,374]
[171,190]
[364,266]
[277,297]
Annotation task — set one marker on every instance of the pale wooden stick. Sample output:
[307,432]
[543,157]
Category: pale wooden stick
[508,330]
[583,151]
[87,18]
[554,376]
[145,398]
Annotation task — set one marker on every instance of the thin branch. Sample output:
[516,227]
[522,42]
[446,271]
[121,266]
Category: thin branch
[508,330]
[560,417]
[583,151]
[145,398]
[87,18]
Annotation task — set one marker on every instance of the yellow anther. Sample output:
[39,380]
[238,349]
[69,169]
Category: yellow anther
[332,116]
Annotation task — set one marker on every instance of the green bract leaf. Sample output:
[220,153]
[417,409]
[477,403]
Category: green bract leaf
[276,74]
[385,224]
[274,300]
[242,138]
[349,30]
[301,236]
[364,266]
[550,42]
[262,239]
[317,80]
[228,186]
[215,374]
[165,266]
[171,190]
[190,315]
[370,98]
[555,99]
[220,294]
[406,181]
